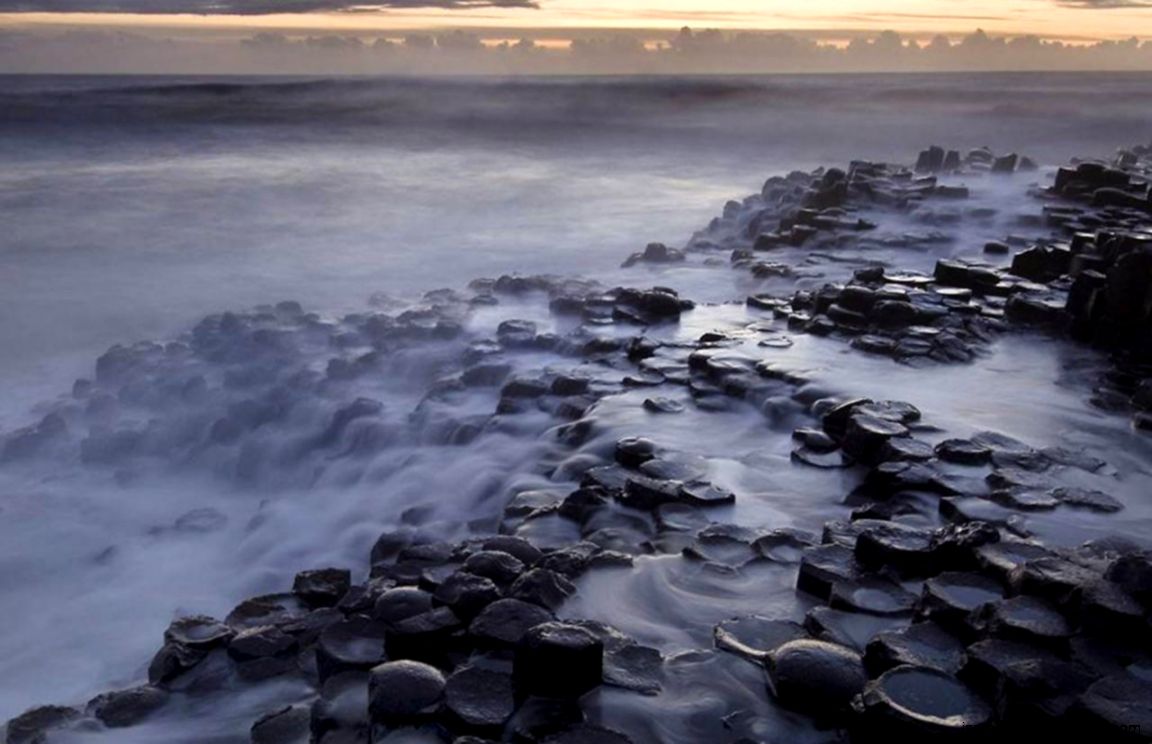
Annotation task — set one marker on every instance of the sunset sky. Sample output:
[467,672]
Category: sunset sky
[1070,19]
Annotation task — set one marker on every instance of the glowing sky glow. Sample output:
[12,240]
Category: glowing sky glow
[1070,19]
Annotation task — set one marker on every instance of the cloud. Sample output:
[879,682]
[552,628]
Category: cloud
[243,7]
[1104,4]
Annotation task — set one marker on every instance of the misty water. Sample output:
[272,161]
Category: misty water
[133,207]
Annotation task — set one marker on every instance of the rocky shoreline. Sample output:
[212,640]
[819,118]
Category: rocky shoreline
[930,607]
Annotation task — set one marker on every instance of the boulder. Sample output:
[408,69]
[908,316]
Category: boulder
[558,660]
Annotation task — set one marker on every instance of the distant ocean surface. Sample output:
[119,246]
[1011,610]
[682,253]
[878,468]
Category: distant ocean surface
[133,205]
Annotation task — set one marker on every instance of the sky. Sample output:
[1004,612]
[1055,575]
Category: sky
[222,35]
[1065,19]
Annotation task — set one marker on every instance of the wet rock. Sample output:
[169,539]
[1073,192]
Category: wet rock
[951,598]
[342,705]
[31,726]
[467,594]
[198,632]
[502,568]
[645,493]
[908,550]
[816,677]
[355,644]
[1105,609]
[1133,574]
[924,644]
[908,449]
[866,437]
[1054,579]
[632,452]
[127,707]
[911,703]
[955,545]
[850,629]
[634,667]
[291,725]
[963,452]
[587,734]
[480,698]
[785,545]
[323,587]
[505,622]
[1117,709]
[834,460]
[404,692]
[986,661]
[558,660]
[542,587]
[1025,619]
[754,636]
[1086,498]
[663,405]
[1002,558]
[872,595]
[401,603]
[705,494]
[1036,695]
[823,566]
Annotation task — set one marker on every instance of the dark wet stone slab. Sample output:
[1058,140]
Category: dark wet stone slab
[923,644]
[909,702]
[754,636]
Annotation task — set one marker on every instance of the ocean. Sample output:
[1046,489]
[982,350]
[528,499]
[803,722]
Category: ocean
[134,206]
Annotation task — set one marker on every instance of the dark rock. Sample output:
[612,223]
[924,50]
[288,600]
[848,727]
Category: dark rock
[632,452]
[1036,695]
[342,705]
[542,587]
[127,707]
[1086,498]
[754,637]
[922,644]
[872,595]
[823,566]
[1133,574]
[261,643]
[323,587]
[1002,558]
[467,594]
[987,660]
[31,726]
[355,644]
[502,568]
[634,667]
[291,725]
[1025,619]
[816,677]
[955,545]
[401,603]
[908,550]
[404,691]
[480,698]
[1117,709]
[558,660]
[784,545]
[586,734]
[1054,579]
[951,598]
[911,703]
[704,494]
[663,405]
[198,632]
[866,437]
[505,622]
[963,451]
